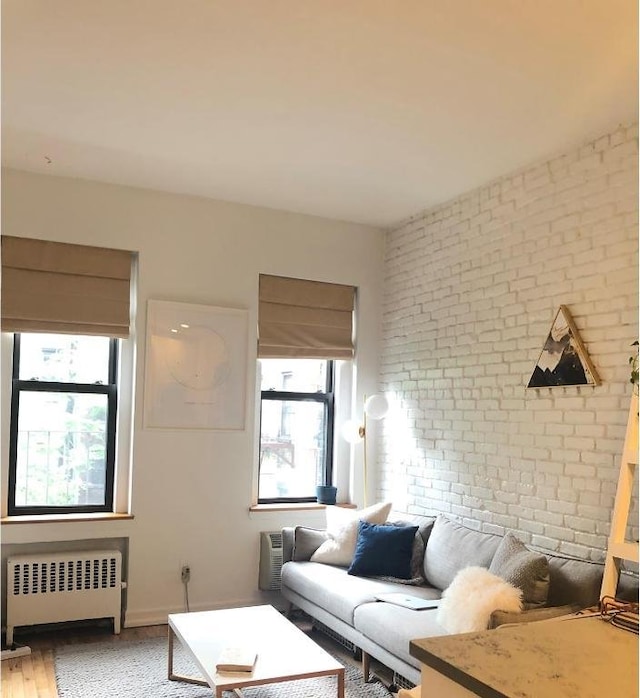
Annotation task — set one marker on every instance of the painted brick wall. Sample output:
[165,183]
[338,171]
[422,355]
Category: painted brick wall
[471,290]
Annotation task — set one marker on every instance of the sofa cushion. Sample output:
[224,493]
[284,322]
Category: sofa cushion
[452,547]
[628,586]
[342,528]
[475,593]
[383,550]
[573,581]
[525,569]
[335,591]
[393,627]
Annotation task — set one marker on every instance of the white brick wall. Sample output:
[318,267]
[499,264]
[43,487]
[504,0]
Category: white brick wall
[471,290]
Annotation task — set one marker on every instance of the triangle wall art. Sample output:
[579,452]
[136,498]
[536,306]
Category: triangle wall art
[563,360]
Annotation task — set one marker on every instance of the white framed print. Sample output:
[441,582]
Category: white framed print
[196,365]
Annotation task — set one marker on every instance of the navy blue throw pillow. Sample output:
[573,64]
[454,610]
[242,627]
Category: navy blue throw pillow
[383,550]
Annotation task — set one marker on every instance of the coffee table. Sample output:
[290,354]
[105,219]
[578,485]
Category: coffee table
[285,653]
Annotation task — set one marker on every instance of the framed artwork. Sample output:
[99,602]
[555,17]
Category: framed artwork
[196,363]
[563,360]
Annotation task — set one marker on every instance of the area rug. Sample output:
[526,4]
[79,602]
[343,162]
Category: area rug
[138,669]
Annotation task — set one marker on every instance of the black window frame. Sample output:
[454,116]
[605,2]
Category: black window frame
[18,386]
[326,398]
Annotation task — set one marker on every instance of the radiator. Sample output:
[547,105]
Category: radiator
[57,587]
[270,560]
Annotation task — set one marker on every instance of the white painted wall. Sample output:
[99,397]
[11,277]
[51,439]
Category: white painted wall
[471,290]
[192,490]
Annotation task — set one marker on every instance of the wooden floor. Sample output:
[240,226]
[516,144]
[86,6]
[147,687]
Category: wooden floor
[34,676]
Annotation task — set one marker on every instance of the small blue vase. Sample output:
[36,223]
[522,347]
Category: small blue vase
[326,494]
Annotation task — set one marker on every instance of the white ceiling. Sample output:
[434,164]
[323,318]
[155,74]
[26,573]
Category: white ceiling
[362,110]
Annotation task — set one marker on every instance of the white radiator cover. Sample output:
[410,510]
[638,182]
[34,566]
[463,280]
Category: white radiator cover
[270,560]
[57,587]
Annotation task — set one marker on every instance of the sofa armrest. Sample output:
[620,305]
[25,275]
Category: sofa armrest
[499,618]
[288,538]
[299,543]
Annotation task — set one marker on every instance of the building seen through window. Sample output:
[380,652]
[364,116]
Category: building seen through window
[296,428]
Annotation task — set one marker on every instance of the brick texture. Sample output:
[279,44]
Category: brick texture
[471,289]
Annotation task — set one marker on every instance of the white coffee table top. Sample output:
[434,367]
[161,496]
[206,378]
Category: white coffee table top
[284,652]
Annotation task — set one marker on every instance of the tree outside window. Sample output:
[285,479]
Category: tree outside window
[63,410]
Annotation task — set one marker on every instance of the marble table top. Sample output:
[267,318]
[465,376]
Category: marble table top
[580,657]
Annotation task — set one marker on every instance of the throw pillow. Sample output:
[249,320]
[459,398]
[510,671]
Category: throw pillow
[342,528]
[475,593]
[452,547]
[306,542]
[417,555]
[383,550]
[523,568]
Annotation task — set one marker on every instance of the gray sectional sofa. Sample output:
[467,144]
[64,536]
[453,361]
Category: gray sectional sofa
[347,605]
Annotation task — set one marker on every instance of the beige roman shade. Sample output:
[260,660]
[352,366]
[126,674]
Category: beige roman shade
[305,319]
[62,288]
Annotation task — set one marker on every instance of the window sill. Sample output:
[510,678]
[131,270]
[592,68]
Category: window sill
[303,506]
[62,518]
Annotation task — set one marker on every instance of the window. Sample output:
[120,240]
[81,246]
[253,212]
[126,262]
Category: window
[296,429]
[63,424]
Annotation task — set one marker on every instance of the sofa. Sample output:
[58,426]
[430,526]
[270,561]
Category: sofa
[345,602]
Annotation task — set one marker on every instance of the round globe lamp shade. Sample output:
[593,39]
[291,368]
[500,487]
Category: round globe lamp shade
[376,406]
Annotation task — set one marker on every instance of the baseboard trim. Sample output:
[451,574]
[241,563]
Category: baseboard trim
[158,616]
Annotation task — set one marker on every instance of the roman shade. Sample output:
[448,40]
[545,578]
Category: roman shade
[304,319]
[64,288]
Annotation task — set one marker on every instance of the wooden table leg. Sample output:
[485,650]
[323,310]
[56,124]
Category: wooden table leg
[341,683]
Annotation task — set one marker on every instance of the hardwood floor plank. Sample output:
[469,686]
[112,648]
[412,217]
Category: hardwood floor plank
[50,668]
[17,683]
[43,686]
[5,682]
[28,678]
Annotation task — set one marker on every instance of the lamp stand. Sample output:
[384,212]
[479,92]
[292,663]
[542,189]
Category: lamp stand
[375,407]
[362,431]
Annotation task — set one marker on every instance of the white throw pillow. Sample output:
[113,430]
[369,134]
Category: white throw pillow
[342,527]
[473,595]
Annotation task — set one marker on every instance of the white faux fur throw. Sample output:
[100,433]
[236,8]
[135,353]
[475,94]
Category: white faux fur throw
[473,595]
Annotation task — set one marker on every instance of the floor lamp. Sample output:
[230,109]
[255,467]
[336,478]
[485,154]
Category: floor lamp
[375,407]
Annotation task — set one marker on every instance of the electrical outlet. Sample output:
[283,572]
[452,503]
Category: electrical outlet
[185,574]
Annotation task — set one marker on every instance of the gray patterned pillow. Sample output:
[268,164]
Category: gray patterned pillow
[522,568]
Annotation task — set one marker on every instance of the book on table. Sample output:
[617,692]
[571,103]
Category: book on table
[236,658]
